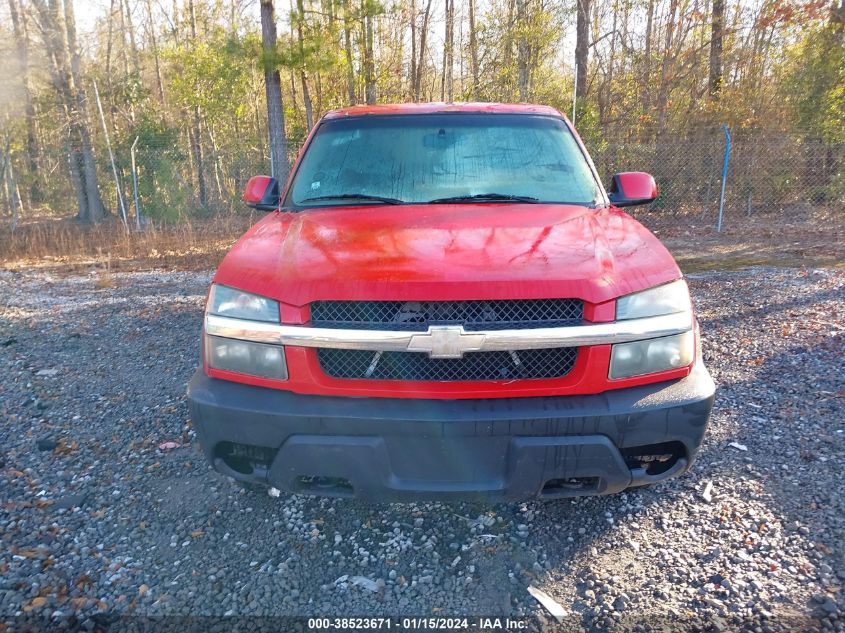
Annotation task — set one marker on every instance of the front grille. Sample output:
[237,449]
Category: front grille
[519,365]
[473,315]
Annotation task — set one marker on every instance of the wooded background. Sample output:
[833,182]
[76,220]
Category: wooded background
[184,81]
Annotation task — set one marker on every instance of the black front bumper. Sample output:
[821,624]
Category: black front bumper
[493,449]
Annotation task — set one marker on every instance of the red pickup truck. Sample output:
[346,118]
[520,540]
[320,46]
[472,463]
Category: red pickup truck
[444,302]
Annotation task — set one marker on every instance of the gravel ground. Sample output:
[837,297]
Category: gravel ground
[97,521]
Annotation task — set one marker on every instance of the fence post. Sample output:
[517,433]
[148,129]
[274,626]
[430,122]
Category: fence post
[724,177]
[135,185]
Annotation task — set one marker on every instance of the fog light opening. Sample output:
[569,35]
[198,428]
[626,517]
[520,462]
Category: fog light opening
[245,459]
[569,486]
[654,459]
[325,486]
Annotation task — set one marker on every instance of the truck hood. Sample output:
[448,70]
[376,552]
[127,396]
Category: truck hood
[447,252]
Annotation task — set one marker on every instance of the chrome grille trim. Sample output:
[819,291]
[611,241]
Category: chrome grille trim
[451,341]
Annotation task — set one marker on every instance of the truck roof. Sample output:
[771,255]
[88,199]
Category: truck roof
[430,108]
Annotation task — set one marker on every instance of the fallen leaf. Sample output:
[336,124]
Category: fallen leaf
[143,589]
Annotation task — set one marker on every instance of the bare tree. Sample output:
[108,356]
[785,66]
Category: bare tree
[522,51]
[303,74]
[196,130]
[582,47]
[446,85]
[136,62]
[646,78]
[717,28]
[422,51]
[369,60]
[347,50]
[273,89]
[32,150]
[473,50]
[156,57]
[58,29]
[412,18]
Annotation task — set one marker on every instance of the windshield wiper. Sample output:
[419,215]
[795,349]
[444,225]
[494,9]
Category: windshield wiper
[489,197]
[355,196]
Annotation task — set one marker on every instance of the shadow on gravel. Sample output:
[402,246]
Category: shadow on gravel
[742,313]
[790,413]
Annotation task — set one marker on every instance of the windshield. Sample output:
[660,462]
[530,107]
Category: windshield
[442,158]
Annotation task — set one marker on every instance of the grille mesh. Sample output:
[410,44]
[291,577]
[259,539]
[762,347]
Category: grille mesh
[473,315]
[532,364]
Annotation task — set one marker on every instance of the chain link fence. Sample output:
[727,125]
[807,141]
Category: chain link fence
[766,175]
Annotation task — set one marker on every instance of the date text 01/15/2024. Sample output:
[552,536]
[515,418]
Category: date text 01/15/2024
[418,624]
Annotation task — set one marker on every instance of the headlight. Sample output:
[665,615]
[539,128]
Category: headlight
[246,357]
[653,355]
[229,302]
[666,299]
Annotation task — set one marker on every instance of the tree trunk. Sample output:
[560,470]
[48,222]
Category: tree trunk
[369,61]
[109,40]
[156,57]
[303,74]
[663,93]
[33,152]
[606,93]
[582,47]
[445,51]
[124,54]
[646,80]
[196,133]
[95,210]
[54,38]
[450,49]
[347,49]
[522,50]
[421,60]
[717,29]
[413,20]
[473,50]
[136,63]
[273,89]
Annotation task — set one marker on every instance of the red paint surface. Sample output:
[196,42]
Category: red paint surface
[255,188]
[448,252]
[637,185]
[443,252]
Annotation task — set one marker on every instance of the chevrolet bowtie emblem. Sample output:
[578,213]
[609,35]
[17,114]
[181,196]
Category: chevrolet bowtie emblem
[446,341]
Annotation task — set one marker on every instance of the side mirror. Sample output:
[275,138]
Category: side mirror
[631,188]
[262,193]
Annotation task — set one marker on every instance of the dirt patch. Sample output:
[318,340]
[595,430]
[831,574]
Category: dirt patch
[812,241]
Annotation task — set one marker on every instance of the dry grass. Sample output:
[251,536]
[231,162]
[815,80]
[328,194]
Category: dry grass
[65,245]
[815,238]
